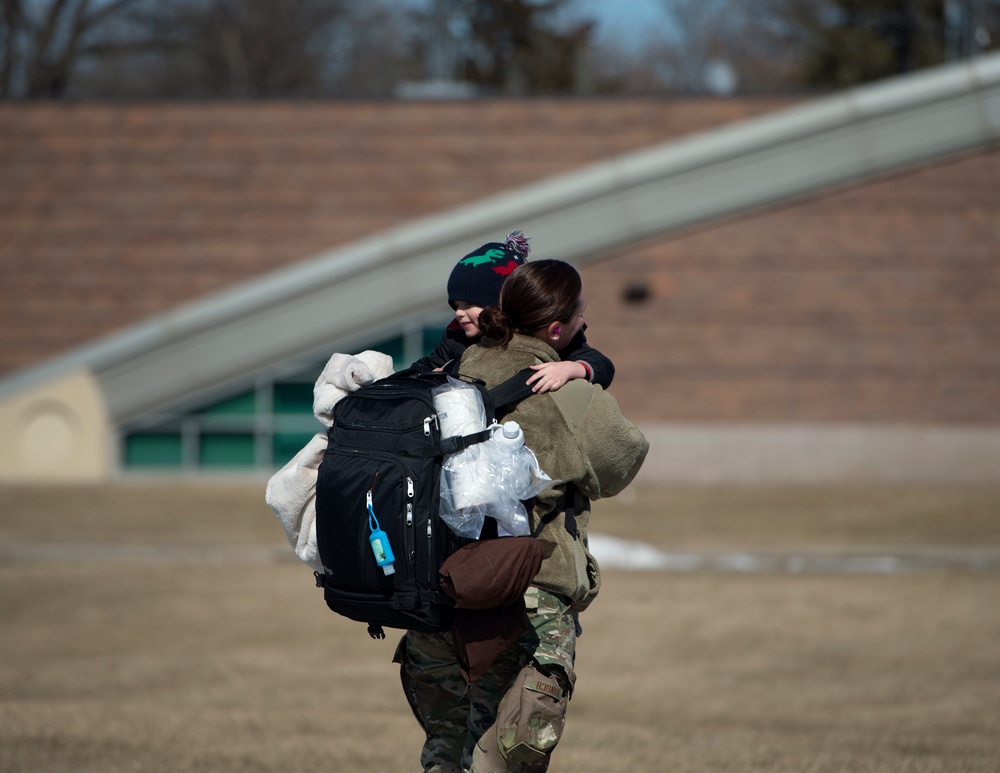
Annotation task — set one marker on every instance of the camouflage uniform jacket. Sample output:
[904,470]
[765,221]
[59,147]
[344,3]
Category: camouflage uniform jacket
[580,437]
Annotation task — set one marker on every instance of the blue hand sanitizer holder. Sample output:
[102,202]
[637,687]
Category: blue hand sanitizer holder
[379,541]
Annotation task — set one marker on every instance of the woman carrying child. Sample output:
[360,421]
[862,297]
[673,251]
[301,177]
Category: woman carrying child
[583,442]
[474,284]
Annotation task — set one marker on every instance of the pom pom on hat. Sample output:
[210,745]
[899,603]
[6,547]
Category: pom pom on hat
[517,242]
[478,277]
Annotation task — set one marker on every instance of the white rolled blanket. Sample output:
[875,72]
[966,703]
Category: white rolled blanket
[291,491]
[344,373]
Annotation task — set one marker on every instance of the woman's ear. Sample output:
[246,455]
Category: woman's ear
[553,331]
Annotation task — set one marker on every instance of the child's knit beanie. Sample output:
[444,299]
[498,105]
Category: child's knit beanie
[477,277]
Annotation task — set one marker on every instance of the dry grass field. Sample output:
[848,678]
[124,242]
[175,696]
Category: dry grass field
[165,627]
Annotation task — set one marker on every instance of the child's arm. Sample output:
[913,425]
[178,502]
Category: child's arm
[435,359]
[549,376]
[602,370]
[452,346]
[579,360]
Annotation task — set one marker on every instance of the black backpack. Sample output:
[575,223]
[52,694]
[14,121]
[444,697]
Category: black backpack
[381,472]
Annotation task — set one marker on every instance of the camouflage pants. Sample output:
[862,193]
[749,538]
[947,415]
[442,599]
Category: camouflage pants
[453,713]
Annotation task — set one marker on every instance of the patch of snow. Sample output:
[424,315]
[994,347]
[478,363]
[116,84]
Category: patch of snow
[614,553]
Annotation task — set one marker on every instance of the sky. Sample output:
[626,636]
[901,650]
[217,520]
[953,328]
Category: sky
[623,19]
[617,19]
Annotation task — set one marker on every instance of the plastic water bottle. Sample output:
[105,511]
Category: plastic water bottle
[511,438]
[513,434]
[515,477]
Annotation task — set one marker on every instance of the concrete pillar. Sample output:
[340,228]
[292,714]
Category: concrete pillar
[55,432]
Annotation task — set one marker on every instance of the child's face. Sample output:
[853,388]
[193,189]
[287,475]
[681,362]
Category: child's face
[468,317]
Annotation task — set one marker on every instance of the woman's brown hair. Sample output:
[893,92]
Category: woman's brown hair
[533,296]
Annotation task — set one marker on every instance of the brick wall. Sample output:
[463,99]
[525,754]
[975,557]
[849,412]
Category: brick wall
[878,303]
[113,213]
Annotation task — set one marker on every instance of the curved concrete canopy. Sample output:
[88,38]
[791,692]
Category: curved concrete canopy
[326,303]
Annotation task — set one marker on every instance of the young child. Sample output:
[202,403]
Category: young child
[473,285]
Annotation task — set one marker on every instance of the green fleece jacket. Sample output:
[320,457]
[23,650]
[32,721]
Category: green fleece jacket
[580,437]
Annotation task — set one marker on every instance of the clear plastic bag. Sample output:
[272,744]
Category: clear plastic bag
[489,478]
[460,411]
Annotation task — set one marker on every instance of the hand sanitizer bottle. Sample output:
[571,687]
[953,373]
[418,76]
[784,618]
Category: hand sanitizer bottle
[380,541]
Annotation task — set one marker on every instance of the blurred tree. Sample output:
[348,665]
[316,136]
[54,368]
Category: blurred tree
[115,49]
[373,53]
[43,44]
[714,47]
[241,48]
[212,49]
[514,47]
[856,42]
[785,45]
[721,47]
[971,27]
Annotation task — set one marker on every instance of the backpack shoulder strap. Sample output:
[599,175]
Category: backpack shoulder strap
[512,390]
[504,395]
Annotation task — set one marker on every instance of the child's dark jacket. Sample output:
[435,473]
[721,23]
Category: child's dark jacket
[454,342]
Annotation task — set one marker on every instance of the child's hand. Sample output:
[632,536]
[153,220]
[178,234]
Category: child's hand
[549,376]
